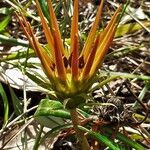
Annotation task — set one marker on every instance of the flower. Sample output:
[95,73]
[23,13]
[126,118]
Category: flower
[70,75]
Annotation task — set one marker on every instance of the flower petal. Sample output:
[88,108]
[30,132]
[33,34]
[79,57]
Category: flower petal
[54,26]
[39,50]
[90,39]
[46,29]
[90,59]
[58,59]
[25,27]
[106,39]
[74,42]
[58,44]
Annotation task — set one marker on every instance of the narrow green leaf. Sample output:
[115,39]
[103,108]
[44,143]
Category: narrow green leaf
[54,131]
[126,75]
[44,8]
[38,81]
[12,41]
[6,104]
[130,28]
[85,114]
[121,52]
[132,76]
[115,75]
[101,138]
[4,23]
[130,142]
[124,9]
[16,102]
[51,108]
[126,140]
[18,55]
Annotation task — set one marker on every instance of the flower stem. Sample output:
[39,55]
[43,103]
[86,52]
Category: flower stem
[80,135]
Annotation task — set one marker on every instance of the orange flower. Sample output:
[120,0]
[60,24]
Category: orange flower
[71,75]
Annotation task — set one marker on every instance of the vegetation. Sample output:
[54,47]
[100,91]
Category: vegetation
[57,91]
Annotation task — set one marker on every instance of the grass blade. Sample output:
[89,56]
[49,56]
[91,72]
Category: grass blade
[126,140]
[4,23]
[16,103]
[101,138]
[12,41]
[5,102]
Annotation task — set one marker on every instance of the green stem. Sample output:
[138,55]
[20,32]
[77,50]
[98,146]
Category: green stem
[37,140]
[80,135]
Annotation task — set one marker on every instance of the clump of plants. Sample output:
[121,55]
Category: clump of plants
[71,77]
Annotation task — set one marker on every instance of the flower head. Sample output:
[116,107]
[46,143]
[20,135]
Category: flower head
[71,75]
